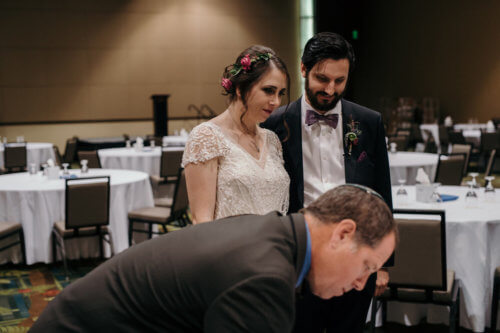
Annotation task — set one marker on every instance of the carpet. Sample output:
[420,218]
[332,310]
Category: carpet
[26,290]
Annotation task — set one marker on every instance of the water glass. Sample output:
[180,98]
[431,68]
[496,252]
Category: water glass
[33,169]
[474,175]
[471,195]
[44,168]
[85,168]
[402,194]
[435,196]
[393,146]
[152,143]
[65,166]
[128,144]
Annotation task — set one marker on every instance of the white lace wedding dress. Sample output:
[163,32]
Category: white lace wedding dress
[245,185]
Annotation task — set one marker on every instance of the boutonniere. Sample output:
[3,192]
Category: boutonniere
[352,136]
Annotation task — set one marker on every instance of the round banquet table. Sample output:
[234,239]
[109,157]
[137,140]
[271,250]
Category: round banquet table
[38,153]
[145,160]
[472,251]
[38,203]
[404,165]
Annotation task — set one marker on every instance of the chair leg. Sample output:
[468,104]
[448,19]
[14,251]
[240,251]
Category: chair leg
[494,305]
[23,248]
[130,227]
[101,246]
[150,231]
[54,253]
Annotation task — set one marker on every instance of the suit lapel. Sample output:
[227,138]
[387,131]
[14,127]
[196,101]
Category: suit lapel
[349,161]
[294,146]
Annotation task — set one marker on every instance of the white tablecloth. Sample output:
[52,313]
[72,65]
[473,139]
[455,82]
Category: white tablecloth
[38,153]
[473,252]
[404,165]
[465,127]
[37,203]
[146,160]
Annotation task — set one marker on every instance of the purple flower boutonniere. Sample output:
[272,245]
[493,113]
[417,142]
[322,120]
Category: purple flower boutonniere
[352,135]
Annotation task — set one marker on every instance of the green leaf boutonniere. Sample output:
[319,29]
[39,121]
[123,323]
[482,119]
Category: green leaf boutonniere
[352,136]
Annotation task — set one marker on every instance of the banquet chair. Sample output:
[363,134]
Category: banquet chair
[420,274]
[449,169]
[15,157]
[57,155]
[490,163]
[169,218]
[495,299]
[456,137]
[70,150]
[87,214]
[401,142]
[8,231]
[170,162]
[92,157]
[463,149]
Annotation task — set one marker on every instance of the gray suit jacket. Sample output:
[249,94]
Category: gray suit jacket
[233,275]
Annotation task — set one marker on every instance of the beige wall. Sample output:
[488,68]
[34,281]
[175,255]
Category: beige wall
[94,59]
[448,49]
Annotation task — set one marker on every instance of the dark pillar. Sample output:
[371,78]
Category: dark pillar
[160,114]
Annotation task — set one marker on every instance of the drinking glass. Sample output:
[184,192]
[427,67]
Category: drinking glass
[33,169]
[152,143]
[393,146]
[471,195]
[65,166]
[435,196]
[489,190]
[85,168]
[474,175]
[127,144]
[401,194]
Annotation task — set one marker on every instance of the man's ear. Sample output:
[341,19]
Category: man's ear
[303,70]
[344,231]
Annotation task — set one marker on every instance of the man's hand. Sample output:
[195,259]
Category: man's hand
[382,281]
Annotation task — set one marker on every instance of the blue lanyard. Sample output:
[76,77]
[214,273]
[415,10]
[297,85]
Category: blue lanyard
[307,259]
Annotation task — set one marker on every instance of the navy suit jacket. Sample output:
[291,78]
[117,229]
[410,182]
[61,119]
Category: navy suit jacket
[367,165]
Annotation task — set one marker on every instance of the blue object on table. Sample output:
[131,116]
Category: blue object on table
[70,176]
[448,197]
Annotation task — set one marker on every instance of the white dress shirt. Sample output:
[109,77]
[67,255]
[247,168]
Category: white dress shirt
[322,154]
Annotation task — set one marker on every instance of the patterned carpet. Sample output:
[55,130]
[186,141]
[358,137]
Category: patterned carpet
[26,291]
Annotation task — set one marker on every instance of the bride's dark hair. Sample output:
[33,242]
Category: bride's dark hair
[262,60]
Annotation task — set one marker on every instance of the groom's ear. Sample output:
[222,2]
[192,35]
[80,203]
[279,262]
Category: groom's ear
[303,70]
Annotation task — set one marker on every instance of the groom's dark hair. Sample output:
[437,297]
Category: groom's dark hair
[361,204]
[327,45]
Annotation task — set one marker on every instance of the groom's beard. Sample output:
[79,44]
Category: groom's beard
[316,104]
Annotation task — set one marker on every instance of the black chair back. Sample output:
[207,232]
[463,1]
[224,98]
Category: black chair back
[170,162]
[87,202]
[92,157]
[15,156]
[420,262]
[491,162]
[70,150]
[450,169]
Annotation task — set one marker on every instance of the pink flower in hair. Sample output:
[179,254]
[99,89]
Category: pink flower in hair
[227,84]
[246,62]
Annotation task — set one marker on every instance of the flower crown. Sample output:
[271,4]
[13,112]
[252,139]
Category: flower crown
[244,65]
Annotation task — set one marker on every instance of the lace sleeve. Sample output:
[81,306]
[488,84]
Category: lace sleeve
[276,143]
[204,143]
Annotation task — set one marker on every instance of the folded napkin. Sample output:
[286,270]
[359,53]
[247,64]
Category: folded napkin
[448,197]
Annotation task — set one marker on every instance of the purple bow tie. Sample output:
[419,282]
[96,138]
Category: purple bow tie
[313,117]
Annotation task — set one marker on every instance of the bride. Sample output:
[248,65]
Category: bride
[232,165]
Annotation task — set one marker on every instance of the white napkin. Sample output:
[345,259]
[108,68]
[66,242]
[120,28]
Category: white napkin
[50,162]
[140,142]
[448,122]
[422,177]
[490,127]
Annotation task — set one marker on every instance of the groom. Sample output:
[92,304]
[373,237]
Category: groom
[328,141]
